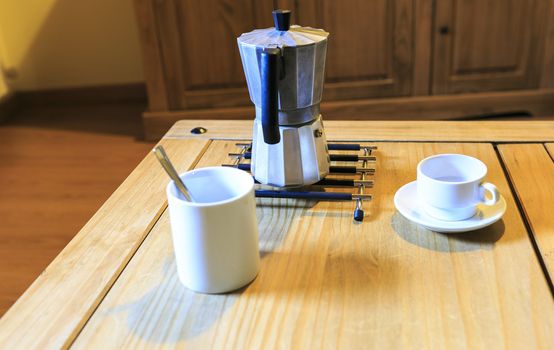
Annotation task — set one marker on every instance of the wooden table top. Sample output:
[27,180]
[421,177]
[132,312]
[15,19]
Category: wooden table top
[325,281]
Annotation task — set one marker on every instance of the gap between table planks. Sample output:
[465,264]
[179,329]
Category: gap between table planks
[390,130]
[531,170]
[326,282]
[59,302]
[550,148]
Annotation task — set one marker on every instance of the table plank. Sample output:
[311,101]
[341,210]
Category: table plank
[327,282]
[531,171]
[378,130]
[56,306]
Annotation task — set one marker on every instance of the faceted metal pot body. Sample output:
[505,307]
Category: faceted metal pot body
[300,157]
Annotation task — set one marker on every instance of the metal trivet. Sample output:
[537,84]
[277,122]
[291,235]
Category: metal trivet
[360,169]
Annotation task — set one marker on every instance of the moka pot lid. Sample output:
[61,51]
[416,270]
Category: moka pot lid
[283,34]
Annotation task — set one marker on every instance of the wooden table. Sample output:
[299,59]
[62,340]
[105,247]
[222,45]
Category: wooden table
[325,281]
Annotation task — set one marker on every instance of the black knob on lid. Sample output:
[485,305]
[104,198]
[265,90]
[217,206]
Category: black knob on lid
[281,18]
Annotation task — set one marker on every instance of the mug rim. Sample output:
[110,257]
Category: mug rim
[171,188]
[445,155]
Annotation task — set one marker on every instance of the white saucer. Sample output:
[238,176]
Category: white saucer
[407,204]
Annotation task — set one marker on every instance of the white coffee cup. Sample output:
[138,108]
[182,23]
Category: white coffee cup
[215,238]
[450,186]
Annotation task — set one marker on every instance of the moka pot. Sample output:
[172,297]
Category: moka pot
[284,68]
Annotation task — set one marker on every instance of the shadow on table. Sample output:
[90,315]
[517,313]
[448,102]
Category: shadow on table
[170,313]
[329,266]
[482,239]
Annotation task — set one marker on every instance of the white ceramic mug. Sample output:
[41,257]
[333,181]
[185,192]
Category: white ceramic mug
[450,186]
[216,237]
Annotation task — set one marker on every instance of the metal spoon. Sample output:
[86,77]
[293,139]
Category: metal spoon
[159,151]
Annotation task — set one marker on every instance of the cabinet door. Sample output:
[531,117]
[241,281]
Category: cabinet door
[192,60]
[485,45]
[370,50]
[198,44]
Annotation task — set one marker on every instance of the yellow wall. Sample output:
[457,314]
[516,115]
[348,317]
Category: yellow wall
[67,43]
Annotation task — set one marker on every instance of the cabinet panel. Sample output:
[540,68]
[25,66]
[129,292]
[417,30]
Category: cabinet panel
[370,45]
[199,49]
[370,51]
[208,33]
[483,45]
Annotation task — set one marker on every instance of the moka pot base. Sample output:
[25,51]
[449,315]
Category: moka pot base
[299,159]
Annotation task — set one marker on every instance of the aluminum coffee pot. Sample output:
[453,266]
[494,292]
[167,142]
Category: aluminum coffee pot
[284,68]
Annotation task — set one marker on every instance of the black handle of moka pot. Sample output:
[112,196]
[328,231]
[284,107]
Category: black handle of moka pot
[270,95]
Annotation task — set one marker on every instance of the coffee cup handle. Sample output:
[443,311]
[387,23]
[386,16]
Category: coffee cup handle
[495,195]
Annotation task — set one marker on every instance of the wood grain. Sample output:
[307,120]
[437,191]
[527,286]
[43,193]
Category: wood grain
[185,70]
[364,58]
[170,51]
[534,102]
[212,60]
[449,131]
[423,30]
[531,171]
[154,75]
[62,299]
[326,282]
[547,72]
[54,175]
[488,45]
[379,69]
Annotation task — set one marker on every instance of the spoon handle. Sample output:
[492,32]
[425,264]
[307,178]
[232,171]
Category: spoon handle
[159,151]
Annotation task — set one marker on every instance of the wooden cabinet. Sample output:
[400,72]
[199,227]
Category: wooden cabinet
[488,45]
[386,58]
[194,49]
[202,67]
[370,50]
